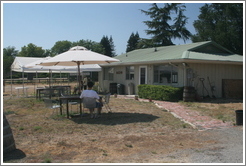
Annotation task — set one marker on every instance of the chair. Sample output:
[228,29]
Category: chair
[52,104]
[106,102]
[89,103]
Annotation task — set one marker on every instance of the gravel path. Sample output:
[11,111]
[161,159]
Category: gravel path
[228,149]
[229,139]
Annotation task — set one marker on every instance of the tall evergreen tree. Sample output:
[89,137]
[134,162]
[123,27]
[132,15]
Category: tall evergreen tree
[108,46]
[112,46]
[222,23]
[132,42]
[159,26]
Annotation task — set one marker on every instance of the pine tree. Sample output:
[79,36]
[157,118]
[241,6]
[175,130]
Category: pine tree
[108,46]
[162,31]
[132,42]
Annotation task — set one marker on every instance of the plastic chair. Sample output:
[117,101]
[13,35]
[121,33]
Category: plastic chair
[106,102]
[89,103]
[52,104]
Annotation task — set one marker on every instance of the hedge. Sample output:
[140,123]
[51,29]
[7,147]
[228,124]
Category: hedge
[160,92]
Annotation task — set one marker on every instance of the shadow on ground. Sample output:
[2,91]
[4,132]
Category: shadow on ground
[115,118]
[13,155]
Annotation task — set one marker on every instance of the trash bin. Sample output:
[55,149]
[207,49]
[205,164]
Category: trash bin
[113,88]
[130,88]
[120,89]
[239,117]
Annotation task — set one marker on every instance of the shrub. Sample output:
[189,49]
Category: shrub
[160,92]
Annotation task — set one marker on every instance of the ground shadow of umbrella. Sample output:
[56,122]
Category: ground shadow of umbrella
[14,155]
[116,118]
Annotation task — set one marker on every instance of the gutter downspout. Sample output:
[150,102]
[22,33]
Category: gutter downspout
[184,64]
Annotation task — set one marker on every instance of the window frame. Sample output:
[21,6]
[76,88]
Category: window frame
[165,71]
[128,74]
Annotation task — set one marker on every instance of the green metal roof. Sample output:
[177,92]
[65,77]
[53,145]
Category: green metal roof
[180,53]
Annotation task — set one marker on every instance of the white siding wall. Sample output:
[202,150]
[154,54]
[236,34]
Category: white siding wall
[215,72]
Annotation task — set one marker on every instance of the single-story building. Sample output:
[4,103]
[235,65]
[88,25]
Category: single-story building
[208,67]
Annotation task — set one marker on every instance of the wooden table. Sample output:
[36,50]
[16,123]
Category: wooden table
[52,91]
[47,91]
[67,98]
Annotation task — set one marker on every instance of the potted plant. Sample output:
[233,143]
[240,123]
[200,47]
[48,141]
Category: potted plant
[136,97]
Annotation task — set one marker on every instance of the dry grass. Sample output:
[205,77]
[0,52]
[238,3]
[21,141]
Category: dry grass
[132,128]
[221,109]
[135,132]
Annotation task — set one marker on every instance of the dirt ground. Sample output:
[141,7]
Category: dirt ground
[134,132]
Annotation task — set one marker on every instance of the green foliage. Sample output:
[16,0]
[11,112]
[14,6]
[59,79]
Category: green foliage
[31,50]
[108,46]
[221,23]
[8,58]
[90,45]
[132,42]
[160,92]
[159,26]
[60,47]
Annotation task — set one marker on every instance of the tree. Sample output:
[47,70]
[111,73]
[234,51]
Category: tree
[160,27]
[111,42]
[145,43]
[31,50]
[61,46]
[132,42]
[9,55]
[108,46]
[90,45]
[222,23]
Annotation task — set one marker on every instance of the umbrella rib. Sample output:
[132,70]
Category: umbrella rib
[56,63]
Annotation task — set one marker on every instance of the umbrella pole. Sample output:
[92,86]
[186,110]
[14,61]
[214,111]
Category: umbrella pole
[49,78]
[11,77]
[78,63]
[23,81]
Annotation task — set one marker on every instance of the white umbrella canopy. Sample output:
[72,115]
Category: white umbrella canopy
[34,66]
[77,56]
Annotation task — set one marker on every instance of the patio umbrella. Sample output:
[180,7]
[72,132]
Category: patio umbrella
[77,56]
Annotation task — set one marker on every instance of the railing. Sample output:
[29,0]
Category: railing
[39,80]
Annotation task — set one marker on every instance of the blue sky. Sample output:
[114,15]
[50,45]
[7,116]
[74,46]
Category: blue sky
[44,23]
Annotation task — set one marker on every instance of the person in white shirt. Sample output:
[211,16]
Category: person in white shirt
[89,93]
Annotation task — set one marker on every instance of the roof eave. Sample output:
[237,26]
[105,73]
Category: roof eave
[175,61]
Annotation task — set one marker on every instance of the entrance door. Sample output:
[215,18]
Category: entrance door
[143,75]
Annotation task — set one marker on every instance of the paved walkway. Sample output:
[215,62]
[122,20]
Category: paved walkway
[192,117]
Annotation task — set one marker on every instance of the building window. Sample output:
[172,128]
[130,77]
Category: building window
[165,74]
[109,73]
[129,72]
